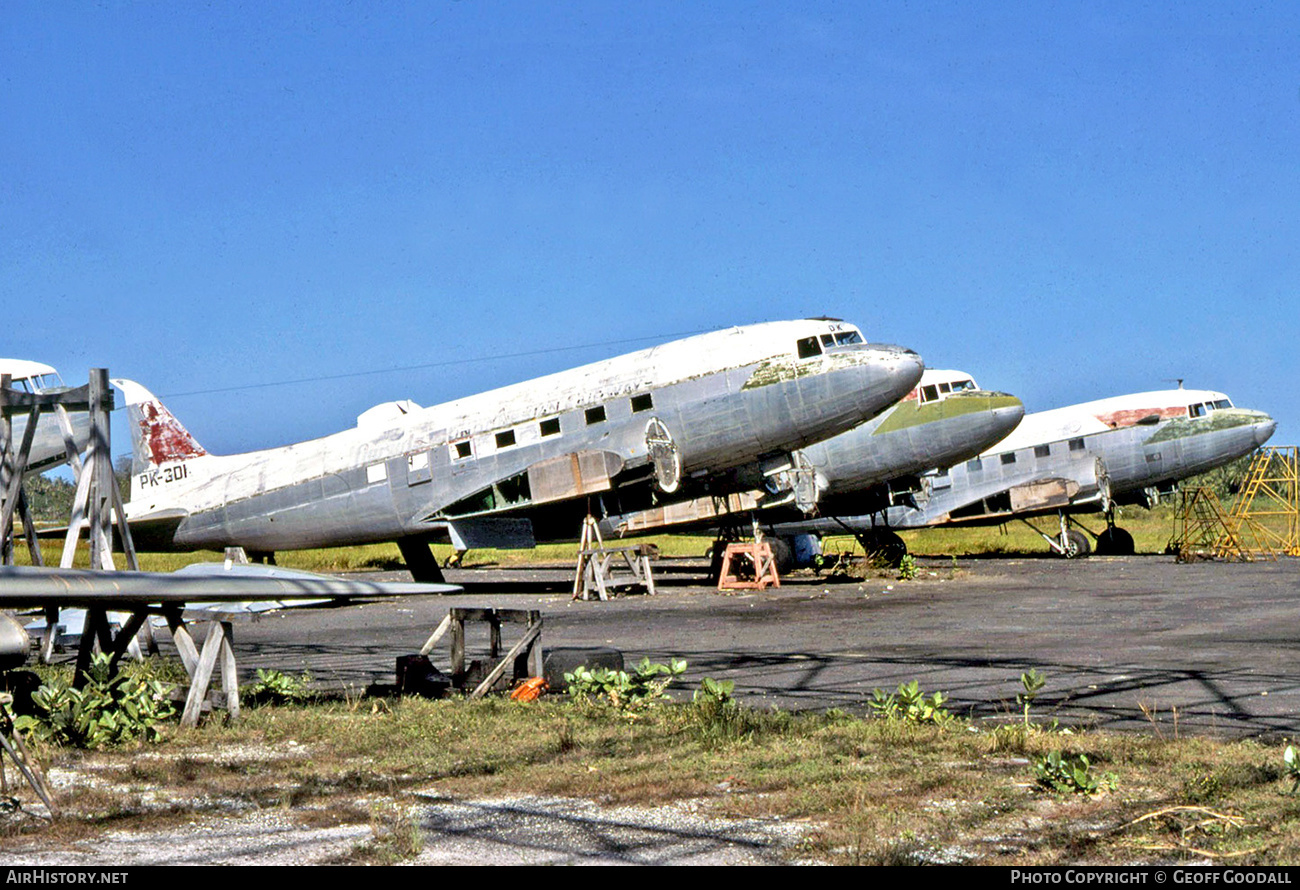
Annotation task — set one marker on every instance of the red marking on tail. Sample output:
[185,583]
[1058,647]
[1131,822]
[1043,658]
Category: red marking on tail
[164,436]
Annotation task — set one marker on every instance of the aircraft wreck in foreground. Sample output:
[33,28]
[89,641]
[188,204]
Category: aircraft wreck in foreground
[479,471]
[1081,458]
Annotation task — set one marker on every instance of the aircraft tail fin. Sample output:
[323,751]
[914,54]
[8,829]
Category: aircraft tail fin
[157,437]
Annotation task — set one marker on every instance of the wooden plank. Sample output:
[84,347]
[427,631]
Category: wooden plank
[181,638]
[202,676]
[436,635]
[529,636]
[229,672]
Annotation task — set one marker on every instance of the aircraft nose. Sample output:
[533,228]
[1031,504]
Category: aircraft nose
[1264,429]
[903,366]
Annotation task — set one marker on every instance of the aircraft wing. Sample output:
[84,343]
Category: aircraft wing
[31,587]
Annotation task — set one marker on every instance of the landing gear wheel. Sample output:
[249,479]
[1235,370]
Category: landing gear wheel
[782,555]
[1115,541]
[883,547]
[1076,544]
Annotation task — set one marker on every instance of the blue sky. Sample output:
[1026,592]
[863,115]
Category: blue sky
[425,200]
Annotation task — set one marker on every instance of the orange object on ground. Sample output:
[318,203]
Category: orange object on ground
[529,690]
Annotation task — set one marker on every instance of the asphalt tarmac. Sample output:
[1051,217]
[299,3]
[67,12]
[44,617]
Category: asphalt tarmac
[1124,642]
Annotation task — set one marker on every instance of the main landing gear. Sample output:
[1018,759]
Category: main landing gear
[1073,542]
[882,546]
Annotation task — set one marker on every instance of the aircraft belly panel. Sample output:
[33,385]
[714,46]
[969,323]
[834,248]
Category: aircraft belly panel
[317,513]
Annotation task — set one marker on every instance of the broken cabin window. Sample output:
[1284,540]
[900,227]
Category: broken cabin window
[808,347]
[643,402]
[595,415]
[506,439]
[462,450]
[1042,450]
[1009,458]
[1152,458]
[1076,444]
[550,427]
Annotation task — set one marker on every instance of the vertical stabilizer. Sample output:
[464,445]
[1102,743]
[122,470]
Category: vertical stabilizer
[157,437]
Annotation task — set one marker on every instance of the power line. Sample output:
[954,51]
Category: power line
[459,361]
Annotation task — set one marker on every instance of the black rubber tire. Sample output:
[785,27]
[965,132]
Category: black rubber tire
[883,547]
[1115,541]
[1077,544]
[782,555]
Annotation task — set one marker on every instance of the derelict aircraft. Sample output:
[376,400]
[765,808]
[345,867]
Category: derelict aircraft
[944,420]
[49,447]
[482,470]
[1090,456]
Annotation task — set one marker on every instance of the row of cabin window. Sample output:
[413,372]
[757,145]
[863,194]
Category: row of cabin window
[1009,457]
[550,427]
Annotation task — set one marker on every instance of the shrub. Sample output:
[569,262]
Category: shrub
[109,710]
[910,704]
[628,693]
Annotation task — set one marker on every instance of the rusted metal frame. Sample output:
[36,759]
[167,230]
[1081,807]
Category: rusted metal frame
[216,648]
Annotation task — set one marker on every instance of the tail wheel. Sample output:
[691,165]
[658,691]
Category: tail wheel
[1075,544]
[1115,541]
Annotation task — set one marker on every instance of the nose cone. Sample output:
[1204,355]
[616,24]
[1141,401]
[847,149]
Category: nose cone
[897,371]
[1264,428]
[1007,412]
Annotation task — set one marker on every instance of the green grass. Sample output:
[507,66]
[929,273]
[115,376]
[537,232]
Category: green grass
[1151,530]
[869,790]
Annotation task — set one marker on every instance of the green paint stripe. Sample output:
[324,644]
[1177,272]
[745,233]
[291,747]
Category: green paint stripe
[909,414]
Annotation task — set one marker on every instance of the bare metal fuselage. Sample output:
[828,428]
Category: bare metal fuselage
[478,467]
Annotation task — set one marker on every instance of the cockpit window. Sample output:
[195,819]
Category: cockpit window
[808,347]
[847,338]
[963,385]
[1220,404]
[828,339]
[929,393]
[1195,410]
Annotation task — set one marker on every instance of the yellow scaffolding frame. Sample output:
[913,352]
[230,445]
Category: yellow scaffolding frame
[1265,517]
[1203,531]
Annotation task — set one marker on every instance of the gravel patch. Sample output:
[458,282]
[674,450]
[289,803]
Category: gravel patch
[502,831]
